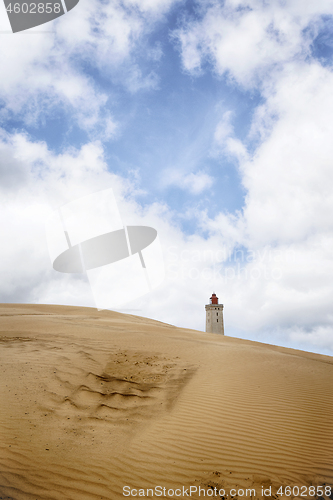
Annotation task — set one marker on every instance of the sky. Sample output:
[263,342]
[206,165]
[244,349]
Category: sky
[212,122]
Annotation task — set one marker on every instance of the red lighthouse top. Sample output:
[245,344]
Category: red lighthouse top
[214,299]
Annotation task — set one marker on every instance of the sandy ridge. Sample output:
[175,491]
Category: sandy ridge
[92,401]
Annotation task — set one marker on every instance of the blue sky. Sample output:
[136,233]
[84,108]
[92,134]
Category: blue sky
[212,122]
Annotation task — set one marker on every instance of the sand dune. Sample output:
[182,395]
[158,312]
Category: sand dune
[93,401]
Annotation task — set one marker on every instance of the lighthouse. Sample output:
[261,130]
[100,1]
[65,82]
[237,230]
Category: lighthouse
[214,316]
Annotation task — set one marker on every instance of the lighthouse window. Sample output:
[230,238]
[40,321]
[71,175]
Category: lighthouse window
[217,320]
[217,314]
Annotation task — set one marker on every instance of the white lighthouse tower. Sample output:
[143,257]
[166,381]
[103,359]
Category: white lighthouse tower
[214,316]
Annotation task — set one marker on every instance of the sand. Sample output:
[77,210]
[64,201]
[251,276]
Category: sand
[92,401]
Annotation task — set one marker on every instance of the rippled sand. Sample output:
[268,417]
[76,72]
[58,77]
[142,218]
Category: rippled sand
[93,401]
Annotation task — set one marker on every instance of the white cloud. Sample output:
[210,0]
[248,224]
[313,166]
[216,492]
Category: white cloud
[101,32]
[152,6]
[246,39]
[42,70]
[135,80]
[290,177]
[43,181]
[224,128]
[195,183]
[321,336]
[225,141]
[37,77]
